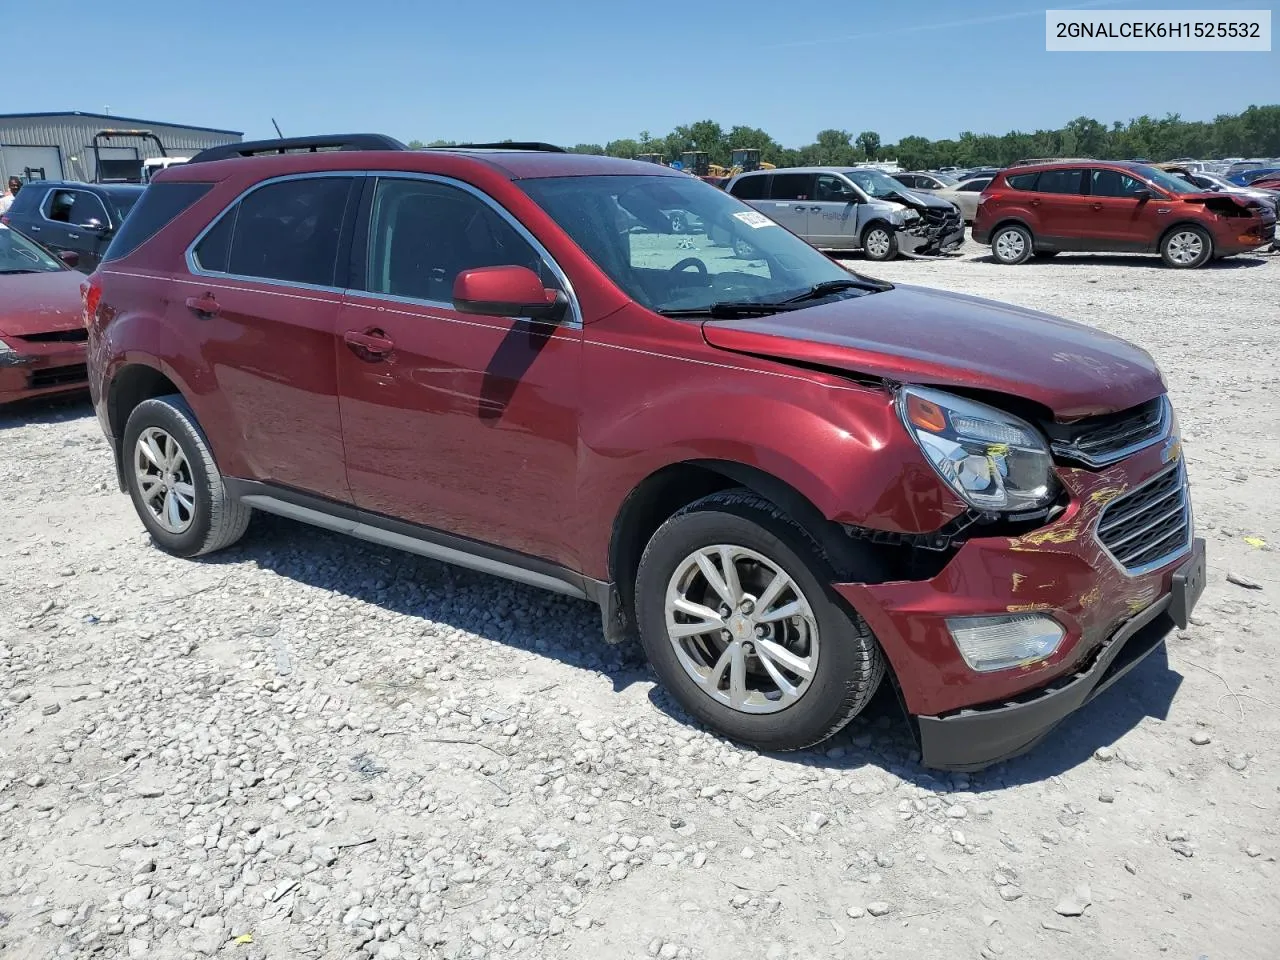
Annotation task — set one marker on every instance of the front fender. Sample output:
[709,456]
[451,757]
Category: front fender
[839,445]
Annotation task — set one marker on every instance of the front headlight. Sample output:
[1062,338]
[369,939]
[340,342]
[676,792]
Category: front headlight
[909,215]
[5,348]
[992,459]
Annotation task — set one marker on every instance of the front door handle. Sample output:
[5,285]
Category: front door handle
[1034,203]
[816,209]
[369,344]
[1097,206]
[204,306]
[799,209]
[33,228]
[73,236]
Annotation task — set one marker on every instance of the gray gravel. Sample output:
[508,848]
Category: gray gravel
[310,747]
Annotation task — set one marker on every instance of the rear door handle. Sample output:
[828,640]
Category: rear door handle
[73,236]
[204,307]
[1034,203]
[799,209]
[369,344]
[816,209]
[1097,206]
[33,228]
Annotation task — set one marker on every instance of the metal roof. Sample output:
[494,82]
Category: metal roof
[114,118]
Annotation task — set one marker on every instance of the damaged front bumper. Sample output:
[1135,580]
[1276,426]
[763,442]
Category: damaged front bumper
[926,238]
[1110,618]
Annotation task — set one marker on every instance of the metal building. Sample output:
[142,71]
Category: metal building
[59,146]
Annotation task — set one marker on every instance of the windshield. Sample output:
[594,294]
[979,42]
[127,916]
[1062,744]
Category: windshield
[1166,181]
[874,183]
[20,255]
[677,243]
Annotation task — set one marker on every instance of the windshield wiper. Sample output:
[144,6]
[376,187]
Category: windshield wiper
[828,287]
[729,309]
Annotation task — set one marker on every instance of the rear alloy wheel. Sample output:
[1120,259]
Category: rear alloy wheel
[1012,244]
[1187,247]
[739,621]
[174,483]
[879,242]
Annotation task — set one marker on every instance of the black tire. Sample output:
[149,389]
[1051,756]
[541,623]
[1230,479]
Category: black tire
[1044,254]
[1018,250]
[850,663]
[882,251]
[1171,241]
[216,519]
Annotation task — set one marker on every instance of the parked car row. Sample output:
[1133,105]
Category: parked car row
[69,216]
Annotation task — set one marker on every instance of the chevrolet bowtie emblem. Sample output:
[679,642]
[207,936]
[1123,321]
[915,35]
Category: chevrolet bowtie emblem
[1172,449]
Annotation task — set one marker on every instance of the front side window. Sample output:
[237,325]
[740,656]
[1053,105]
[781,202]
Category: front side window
[723,249]
[75,207]
[832,189]
[422,234]
[287,231]
[1060,181]
[876,184]
[1113,183]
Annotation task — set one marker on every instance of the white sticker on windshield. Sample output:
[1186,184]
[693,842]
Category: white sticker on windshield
[754,220]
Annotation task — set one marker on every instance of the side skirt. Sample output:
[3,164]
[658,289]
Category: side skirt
[427,542]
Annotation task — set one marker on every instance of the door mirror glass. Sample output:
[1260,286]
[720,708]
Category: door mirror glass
[1142,193]
[507,291]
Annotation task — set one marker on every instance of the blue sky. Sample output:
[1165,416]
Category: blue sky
[570,71]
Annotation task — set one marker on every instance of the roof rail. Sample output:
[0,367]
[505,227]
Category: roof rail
[507,145]
[340,141]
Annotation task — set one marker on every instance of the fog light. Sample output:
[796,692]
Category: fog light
[997,643]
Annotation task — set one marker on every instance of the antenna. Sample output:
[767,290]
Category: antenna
[277,126]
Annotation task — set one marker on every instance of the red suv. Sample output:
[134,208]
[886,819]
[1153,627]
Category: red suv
[790,480]
[1037,211]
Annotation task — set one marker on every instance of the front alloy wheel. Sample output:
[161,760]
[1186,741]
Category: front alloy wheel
[737,616]
[1187,248]
[742,629]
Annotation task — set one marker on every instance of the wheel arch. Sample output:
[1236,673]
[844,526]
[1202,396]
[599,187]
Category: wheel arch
[131,384]
[1186,222]
[664,491]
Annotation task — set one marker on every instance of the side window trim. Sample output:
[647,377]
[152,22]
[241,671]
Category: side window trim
[233,209]
[362,239]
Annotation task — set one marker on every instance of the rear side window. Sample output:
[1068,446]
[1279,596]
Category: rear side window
[287,231]
[791,186]
[160,203]
[1022,181]
[1060,181]
[749,188]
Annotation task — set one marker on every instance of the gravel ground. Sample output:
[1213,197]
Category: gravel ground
[311,747]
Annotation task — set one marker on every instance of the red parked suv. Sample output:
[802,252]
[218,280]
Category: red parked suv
[791,480]
[1037,211]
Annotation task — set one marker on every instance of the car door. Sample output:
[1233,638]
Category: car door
[464,423]
[263,299]
[1062,210]
[1127,213]
[790,200]
[833,214]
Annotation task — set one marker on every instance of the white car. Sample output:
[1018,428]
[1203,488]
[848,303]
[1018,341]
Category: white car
[153,165]
[965,195]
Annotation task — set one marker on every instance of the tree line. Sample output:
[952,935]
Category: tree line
[1255,132]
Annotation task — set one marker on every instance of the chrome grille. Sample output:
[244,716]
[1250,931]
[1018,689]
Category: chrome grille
[1099,441]
[1150,525]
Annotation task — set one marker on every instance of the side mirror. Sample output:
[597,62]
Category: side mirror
[93,226]
[69,257]
[508,291]
[1143,194]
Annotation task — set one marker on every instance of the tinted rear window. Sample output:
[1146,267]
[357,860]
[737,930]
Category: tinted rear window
[749,188]
[160,203]
[791,186]
[1059,181]
[1022,181]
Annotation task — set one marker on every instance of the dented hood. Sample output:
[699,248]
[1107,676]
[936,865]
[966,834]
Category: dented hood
[33,303]
[917,335]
